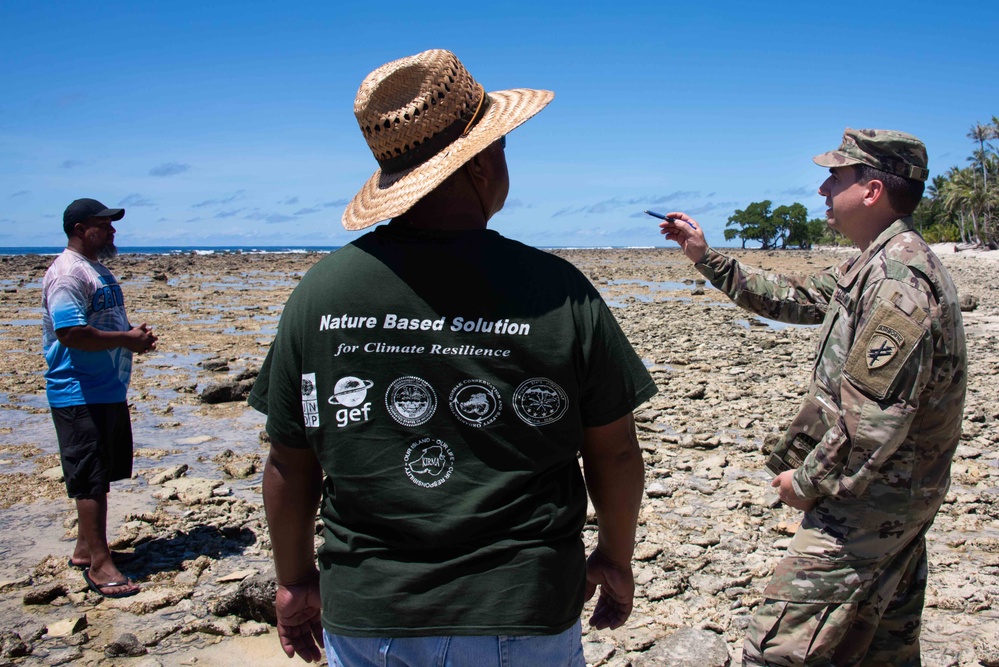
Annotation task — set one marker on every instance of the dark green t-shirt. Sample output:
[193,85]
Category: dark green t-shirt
[444,380]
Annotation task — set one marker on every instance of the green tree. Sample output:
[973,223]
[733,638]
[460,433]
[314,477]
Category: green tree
[783,227]
[931,217]
[818,230]
[963,204]
[831,237]
[981,134]
[755,223]
[962,198]
[983,190]
[795,229]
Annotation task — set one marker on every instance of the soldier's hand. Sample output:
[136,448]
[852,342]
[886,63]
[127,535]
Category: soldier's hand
[685,231]
[785,489]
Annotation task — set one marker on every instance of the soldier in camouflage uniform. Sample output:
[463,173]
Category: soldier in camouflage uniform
[868,455]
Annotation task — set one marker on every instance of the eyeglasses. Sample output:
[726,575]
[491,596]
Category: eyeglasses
[503,142]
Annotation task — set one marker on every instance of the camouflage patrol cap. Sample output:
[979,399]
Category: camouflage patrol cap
[894,152]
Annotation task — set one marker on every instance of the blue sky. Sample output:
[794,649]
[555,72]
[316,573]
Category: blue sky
[232,123]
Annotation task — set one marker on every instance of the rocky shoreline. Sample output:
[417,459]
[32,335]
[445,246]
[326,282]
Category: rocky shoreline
[189,526]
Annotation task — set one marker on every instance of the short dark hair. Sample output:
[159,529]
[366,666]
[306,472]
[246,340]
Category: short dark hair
[904,194]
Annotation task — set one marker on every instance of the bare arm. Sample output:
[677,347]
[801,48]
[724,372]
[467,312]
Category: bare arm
[138,339]
[615,479]
[292,486]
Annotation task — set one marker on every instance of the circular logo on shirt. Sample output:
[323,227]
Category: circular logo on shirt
[429,462]
[410,400]
[475,403]
[539,401]
[350,391]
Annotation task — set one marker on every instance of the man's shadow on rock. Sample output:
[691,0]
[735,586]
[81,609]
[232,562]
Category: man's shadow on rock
[167,554]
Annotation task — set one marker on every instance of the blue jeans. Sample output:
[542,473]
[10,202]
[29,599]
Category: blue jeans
[561,650]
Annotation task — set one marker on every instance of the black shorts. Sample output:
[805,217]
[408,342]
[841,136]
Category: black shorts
[95,446]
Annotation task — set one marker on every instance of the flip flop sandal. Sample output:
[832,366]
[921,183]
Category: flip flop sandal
[116,557]
[95,587]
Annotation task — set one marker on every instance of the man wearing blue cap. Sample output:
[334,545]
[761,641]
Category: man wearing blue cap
[88,344]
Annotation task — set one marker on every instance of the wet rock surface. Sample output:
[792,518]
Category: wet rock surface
[189,526]
[12,646]
[252,600]
[687,647]
[127,645]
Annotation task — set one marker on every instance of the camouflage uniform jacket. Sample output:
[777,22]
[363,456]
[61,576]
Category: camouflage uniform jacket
[887,389]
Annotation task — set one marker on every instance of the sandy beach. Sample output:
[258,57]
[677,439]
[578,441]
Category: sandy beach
[189,525]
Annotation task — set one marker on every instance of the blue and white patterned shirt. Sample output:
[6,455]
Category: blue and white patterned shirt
[78,292]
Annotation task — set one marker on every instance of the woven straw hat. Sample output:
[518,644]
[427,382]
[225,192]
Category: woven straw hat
[423,118]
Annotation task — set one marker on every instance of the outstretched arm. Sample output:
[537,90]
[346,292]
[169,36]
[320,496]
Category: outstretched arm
[615,479]
[793,299]
[292,486]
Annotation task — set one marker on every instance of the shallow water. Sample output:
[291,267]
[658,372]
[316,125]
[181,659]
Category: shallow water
[36,530]
[776,325]
[32,532]
[662,286]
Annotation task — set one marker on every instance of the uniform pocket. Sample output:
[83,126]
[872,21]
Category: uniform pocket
[797,634]
[815,417]
[822,580]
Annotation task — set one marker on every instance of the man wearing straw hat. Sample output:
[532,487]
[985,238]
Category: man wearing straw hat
[867,457]
[438,381]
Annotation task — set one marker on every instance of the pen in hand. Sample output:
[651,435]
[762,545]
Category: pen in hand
[669,219]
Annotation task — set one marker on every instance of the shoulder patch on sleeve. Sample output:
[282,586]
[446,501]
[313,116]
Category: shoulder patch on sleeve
[881,349]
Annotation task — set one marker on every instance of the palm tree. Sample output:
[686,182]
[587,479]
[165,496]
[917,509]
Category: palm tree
[931,218]
[981,134]
[991,200]
[961,198]
[984,160]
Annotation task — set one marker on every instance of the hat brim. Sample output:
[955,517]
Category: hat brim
[385,196]
[835,159]
[114,213]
